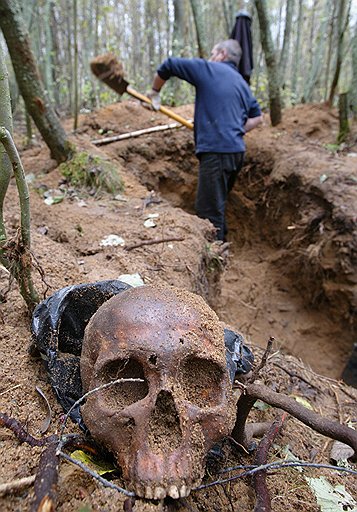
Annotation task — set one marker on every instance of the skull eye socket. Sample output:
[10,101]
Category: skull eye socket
[123,394]
[201,382]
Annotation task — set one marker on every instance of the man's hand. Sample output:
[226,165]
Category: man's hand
[154,96]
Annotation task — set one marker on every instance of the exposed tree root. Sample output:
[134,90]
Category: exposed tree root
[323,425]
[263,501]
[46,480]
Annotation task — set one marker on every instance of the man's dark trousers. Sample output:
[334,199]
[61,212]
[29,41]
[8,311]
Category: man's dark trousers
[217,175]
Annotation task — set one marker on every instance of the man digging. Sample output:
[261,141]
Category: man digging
[225,110]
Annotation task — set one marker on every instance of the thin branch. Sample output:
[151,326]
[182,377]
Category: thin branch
[274,466]
[152,242]
[86,395]
[22,435]
[95,475]
[297,376]
[16,485]
[10,389]
[263,361]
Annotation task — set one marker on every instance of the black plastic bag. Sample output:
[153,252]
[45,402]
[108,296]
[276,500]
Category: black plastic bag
[58,325]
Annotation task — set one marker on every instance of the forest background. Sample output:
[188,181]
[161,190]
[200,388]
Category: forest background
[309,48]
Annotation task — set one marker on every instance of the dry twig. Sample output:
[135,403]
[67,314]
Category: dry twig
[15,485]
[152,242]
[274,466]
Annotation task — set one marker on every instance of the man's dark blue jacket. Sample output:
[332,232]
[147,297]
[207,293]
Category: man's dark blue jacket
[223,103]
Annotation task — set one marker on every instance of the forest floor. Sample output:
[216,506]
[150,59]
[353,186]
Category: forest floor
[289,271]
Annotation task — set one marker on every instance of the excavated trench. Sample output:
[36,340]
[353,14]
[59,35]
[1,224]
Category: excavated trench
[277,281]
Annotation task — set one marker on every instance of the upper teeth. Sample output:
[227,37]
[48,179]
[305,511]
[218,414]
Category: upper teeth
[159,493]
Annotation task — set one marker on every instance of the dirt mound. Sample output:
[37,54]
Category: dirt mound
[290,272]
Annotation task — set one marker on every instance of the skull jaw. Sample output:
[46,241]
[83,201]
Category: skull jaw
[157,475]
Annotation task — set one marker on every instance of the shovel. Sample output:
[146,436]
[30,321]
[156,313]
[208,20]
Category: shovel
[110,71]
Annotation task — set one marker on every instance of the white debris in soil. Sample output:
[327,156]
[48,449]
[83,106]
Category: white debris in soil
[112,240]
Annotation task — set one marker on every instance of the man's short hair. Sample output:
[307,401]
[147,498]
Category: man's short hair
[233,49]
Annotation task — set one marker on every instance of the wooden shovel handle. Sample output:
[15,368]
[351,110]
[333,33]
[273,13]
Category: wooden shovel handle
[163,110]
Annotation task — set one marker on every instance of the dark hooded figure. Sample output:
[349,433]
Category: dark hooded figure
[241,33]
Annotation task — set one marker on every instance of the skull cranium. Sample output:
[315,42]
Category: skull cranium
[161,428]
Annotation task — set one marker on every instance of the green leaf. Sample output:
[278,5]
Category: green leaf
[303,402]
[329,498]
[261,406]
[99,465]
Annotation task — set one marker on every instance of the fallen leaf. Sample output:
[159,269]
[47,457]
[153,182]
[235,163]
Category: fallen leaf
[100,466]
[329,498]
[340,453]
[303,402]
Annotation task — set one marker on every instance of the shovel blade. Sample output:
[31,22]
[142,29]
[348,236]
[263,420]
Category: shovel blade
[110,71]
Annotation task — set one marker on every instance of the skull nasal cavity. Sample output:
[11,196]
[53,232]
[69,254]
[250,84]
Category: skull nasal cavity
[164,434]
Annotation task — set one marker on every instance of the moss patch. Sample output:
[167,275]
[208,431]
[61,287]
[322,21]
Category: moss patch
[93,173]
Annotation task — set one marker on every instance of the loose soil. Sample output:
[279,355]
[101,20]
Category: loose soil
[288,271]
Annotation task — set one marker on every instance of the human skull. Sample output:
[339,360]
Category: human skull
[159,429]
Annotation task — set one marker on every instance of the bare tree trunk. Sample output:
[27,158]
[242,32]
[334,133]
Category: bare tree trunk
[296,61]
[228,11]
[270,59]
[150,43]
[56,68]
[48,51]
[75,65]
[329,51]
[196,7]
[29,82]
[280,16]
[5,121]
[312,33]
[318,60]
[343,118]
[178,36]
[340,33]
[69,59]
[286,43]
[354,74]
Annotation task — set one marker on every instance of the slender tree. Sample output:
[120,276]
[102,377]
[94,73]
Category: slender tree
[75,66]
[297,54]
[197,11]
[29,81]
[48,55]
[330,43]
[228,11]
[318,58]
[270,59]
[354,74]
[339,50]
[286,42]
[5,121]
[178,36]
